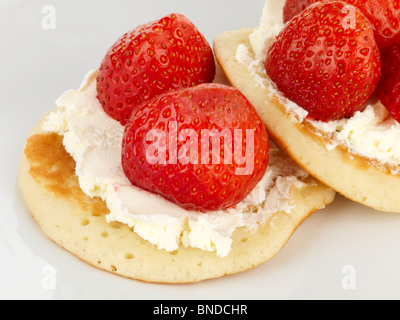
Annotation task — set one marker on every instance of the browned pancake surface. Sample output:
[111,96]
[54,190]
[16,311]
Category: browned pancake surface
[54,169]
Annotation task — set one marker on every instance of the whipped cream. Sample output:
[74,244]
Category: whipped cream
[94,140]
[372,133]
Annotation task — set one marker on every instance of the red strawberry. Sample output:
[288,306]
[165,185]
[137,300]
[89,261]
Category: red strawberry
[389,86]
[167,147]
[384,16]
[151,59]
[326,69]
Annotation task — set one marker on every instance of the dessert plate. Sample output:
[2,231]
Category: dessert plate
[345,251]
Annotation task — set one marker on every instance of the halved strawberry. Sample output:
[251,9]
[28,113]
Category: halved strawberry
[389,86]
[328,70]
[203,148]
[151,59]
[384,16]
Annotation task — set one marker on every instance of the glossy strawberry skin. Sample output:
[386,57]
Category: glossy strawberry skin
[384,16]
[329,71]
[201,185]
[389,85]
[151,59]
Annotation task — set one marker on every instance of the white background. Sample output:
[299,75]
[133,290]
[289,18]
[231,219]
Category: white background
[343,242]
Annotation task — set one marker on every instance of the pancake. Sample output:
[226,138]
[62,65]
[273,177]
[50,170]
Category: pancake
[356,177]
[78,223]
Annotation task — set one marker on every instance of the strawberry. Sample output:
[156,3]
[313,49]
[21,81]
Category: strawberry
[384,16]
[389,85]
[204,148]
[151,59]
[329,71]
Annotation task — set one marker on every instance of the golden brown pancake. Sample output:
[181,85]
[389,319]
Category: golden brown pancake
[78,223]
[358,178]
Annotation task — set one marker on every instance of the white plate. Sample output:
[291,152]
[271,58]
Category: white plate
[345,251]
